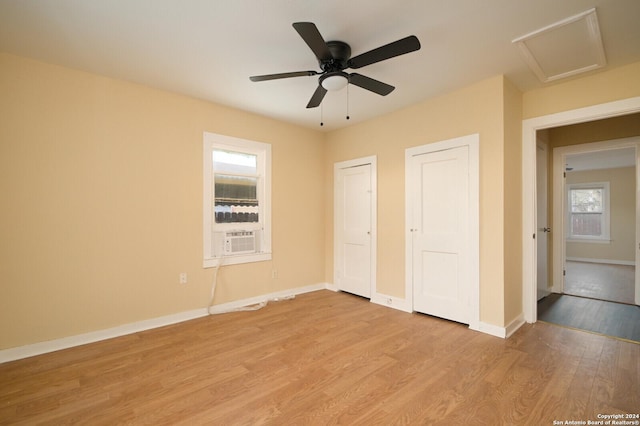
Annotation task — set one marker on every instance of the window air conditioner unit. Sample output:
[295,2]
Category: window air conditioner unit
[239,242]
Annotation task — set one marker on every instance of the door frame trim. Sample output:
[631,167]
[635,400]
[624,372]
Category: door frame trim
[363,161]
[529,128]
[473,143]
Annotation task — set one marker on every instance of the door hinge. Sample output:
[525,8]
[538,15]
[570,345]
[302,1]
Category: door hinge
[564,272]
[534,236]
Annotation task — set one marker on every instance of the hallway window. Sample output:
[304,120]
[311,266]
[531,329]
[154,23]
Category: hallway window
[588,212]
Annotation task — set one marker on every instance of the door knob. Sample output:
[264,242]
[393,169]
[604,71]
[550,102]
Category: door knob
[546,229]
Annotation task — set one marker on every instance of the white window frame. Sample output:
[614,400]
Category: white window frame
[211,142]
[605,224]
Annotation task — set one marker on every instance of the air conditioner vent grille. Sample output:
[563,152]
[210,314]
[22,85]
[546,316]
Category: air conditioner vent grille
[237,242]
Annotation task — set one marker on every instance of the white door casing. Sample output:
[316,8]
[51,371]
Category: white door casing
[442,219]
[354,226]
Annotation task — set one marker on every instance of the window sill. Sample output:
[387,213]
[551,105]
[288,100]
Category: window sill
[235,259]
[589,240]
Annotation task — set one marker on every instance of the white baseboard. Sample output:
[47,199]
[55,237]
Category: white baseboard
[609,261]
[331,287]
[382,299]
[391,302]
[229,306]
[514,325]
[502,332]
[40,348]
[491,329]
[34,349]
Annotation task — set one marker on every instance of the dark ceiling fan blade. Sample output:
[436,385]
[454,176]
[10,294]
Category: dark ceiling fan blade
[310,34]
[391,50]
[370,84]
[282,75]
[317,97]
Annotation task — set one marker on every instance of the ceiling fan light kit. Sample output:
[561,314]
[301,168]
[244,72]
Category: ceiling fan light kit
[335,56]
[334,81]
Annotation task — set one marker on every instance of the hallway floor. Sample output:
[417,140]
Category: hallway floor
[598,298]
[600,281]
[597,316]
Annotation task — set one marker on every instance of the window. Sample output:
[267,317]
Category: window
[588,212]
[236,199]
[235,177]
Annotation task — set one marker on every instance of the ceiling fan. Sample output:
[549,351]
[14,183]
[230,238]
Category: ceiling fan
[335,56]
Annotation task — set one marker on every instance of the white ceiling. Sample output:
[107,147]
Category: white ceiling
[209,48]
[609,159]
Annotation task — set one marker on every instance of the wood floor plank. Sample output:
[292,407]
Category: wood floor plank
[627,375]
[325,358]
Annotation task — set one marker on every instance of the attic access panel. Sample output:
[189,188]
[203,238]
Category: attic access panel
[565,48]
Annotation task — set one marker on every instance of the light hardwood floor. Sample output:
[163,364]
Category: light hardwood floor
[326,358]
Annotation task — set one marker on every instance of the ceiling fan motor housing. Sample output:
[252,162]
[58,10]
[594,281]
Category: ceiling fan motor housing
[341,53]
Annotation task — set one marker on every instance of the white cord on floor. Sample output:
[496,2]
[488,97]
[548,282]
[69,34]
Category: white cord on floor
[254,307]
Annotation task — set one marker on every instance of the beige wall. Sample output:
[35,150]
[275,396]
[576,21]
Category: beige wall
[622,215]
[513,202]
[594,89]
[101,184]
[479,108]
[625,126]
[102,194]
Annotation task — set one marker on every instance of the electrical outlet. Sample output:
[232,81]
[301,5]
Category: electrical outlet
[183,278]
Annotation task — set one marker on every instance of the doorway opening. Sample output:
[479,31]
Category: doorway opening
[531,127]
[594,244]
[594,207]
[600,218]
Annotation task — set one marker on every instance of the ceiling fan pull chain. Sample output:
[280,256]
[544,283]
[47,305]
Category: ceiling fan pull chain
[347,101]
[321,115]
